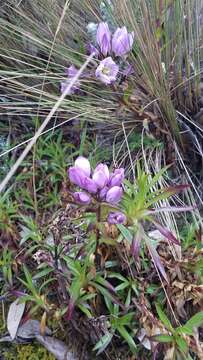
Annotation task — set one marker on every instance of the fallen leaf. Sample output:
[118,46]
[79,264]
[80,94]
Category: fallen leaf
[30,329]
[43,323]
[14,317]
[56,347]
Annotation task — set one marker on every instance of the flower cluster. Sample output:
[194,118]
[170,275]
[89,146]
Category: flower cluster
[119,44]
[107,47]
[101,184]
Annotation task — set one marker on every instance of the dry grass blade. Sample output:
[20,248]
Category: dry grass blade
[42,127]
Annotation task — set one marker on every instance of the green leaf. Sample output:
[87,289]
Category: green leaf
[125,334]
[164,318]
[126,319]
[182,344]
[42,273]
[84,309]
[195,321]
[162,338]
[157,177]
[103,343]
[125,232]
[107,294]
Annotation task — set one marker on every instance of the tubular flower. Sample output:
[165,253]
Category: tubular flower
[71,71]
[114,195]
[103,38]
[122,41]
[76,176]
[116,218]
[82,198]
[117,177]
[101,175]
[107,71]
[83,164]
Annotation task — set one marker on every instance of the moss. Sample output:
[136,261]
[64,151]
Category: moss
[27,352]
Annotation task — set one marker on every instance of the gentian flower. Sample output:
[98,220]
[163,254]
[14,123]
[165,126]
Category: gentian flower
[71,71]
[83,164]
[117,177]
[106,187]
[104,38]
[116,218]
[80,175]
[82,198]
[103,192]
[122,41]
[89,185]
[114,195]
[101,175]
[92,49]
[76,176]
[107,71]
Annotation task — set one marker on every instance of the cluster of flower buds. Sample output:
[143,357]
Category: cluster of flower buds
[107,47]
[101,184]
[120,44]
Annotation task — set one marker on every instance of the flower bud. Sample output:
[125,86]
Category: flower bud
[76,176]
[101,175]
[103,193]
[114,195]
[89,185]
[71,71]
[117,177]
[82,198]
[116,218]
[83,164]
[104,38]
[122,41]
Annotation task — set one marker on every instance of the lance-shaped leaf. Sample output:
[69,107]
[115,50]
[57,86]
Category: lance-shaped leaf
[103,343]
[156,259]
[165,232]
[175,189]
[164,319]
[188,328]
[162,338]
[173,209]
[15,314]
[135,246]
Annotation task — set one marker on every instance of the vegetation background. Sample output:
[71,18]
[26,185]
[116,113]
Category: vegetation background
[126,307]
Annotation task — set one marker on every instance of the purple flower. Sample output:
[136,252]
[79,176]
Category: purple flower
[103,193]
[76,176]
[116,218]
[114,195]
[89,185]
[107,71]
[71,71]
[82,198]
[101,175]
[117,177]
[104,38]
[83,164]
[92,49]
[122,41]
[128,70]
